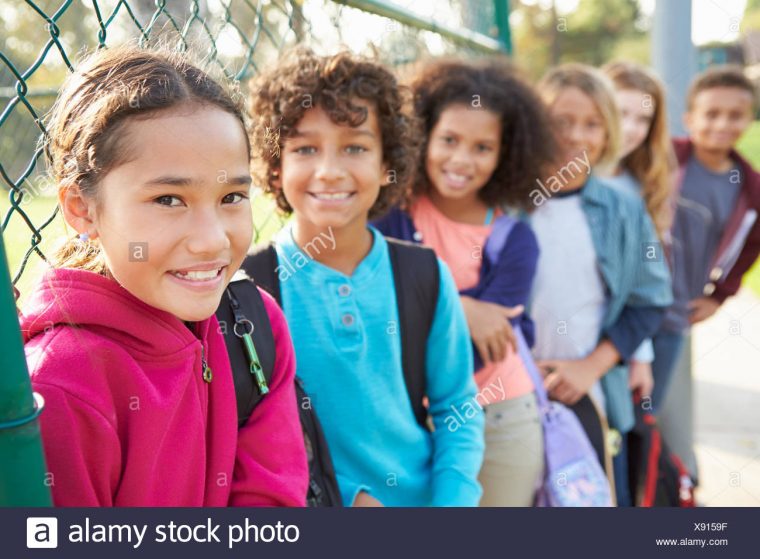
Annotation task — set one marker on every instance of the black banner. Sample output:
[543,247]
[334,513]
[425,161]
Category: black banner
[388,533]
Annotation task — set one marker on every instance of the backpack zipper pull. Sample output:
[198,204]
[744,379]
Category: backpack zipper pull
[207,374]
[253,358]
[256,370]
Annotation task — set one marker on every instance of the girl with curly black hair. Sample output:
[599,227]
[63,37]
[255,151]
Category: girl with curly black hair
[487,143]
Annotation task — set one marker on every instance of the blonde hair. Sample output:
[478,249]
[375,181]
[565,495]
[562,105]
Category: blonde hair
[85,138]
[652,163]
[596,86]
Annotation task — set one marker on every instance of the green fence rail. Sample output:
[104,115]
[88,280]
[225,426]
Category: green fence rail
[42,42]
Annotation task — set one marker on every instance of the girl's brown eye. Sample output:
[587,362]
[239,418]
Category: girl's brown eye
[168,200]
[234,198]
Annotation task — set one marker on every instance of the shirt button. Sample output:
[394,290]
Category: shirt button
[344,290]
[348,319]
[417,236]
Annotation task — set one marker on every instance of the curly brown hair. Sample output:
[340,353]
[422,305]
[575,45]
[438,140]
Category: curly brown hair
[302,80]
[528,146]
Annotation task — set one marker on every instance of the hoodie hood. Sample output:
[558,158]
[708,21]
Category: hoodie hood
[100,304]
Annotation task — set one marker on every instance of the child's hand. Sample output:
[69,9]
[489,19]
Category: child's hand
[701,309]
[490,329]
[568,381]
[364,499]
[640,377]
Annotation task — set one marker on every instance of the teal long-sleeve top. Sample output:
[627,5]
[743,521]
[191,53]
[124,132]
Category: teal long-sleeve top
[348,354]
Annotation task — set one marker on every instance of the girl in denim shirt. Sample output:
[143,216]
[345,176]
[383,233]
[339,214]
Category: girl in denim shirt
[601,284]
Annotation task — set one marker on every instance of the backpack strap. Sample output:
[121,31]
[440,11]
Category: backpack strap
[535,376]
[240,312]
[323,490]
[497,240]
[261,264]
[416,277]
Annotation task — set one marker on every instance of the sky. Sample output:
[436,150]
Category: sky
[711,20]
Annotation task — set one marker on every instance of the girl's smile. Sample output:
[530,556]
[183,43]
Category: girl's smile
[463,151]
[201,277]
[457,181]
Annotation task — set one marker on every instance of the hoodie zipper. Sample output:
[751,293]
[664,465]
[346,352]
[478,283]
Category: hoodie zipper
[206,372]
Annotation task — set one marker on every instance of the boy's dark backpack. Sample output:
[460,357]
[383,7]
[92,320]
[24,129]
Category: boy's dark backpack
[242,310]
[416,279]
[657,476]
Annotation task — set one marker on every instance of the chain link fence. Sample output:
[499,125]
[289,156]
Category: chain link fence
[43,39]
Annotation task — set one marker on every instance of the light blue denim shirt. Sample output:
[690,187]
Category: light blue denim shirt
[631,257]
[626,182]
[632,263]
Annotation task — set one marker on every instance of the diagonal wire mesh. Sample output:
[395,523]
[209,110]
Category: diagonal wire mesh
[43,39]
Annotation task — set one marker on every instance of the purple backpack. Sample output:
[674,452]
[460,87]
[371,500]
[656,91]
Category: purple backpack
[573,476]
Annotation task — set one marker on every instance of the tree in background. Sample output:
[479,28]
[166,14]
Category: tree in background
[596,32]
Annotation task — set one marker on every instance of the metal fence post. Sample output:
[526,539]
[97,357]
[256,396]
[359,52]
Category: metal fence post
[501,14]
[22,462]
[673,56]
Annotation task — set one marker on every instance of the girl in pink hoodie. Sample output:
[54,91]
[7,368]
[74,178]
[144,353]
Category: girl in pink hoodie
[151,159]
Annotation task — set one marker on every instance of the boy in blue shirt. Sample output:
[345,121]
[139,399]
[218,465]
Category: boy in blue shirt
[334,146]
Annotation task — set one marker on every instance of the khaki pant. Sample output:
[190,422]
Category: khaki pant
[514,457]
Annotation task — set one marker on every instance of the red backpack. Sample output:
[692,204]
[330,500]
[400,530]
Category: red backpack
[657,476]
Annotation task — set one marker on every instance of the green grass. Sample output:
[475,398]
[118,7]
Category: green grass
[18,237]
[752,278]
[749,146]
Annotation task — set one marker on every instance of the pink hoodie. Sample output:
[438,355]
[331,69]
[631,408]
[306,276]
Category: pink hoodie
[128,418]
